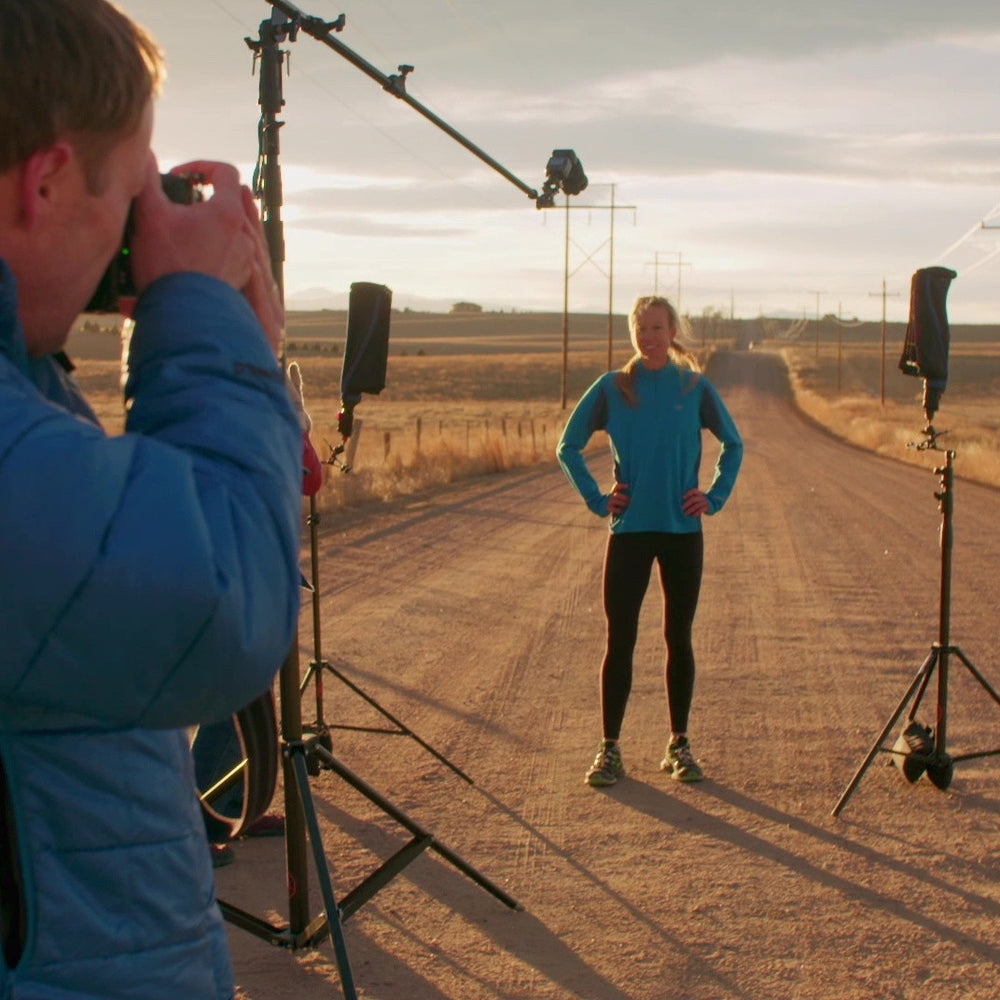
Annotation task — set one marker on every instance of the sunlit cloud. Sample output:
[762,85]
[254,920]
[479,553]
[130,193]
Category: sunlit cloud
[782,146]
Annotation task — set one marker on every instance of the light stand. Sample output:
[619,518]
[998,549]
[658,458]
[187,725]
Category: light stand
[919,748]
[319,665]
[304,755]
[300,813]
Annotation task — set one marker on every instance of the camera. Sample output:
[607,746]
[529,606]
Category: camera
[116,283]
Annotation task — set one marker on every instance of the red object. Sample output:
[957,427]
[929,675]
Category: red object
[312,469]
[268,825]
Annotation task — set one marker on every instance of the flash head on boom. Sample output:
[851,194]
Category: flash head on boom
[564,172]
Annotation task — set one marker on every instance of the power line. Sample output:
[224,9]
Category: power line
[991,214]
[612,208]
[655,263]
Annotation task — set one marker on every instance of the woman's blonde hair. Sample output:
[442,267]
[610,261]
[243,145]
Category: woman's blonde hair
[679,354]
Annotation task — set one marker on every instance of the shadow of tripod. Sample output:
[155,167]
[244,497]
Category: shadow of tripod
[320,757]
[920,748]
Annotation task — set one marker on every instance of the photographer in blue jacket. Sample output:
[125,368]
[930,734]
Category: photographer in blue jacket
[149,581]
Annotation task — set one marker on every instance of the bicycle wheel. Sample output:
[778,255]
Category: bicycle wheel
[236,768]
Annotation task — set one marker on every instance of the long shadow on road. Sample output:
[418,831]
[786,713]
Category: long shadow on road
[657,804]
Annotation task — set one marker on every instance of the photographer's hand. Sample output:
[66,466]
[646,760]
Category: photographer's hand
[221,237]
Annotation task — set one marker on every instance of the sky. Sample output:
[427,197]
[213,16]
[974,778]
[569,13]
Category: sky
[787,157]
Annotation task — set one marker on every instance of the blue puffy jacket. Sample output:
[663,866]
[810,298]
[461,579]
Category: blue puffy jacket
[148,582]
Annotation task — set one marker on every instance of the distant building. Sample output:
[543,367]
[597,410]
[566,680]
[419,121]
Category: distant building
[466,307]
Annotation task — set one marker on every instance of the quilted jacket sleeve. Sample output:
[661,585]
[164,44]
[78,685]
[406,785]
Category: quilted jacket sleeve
[152,579]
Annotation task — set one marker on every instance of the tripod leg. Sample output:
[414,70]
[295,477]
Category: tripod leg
[323,875]
[923,674]
[925,681]
[975,673]
[415,828]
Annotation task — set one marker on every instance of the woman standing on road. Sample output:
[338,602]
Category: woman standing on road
[653,411]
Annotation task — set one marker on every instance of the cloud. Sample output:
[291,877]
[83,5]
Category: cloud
[781,146]
[360,226]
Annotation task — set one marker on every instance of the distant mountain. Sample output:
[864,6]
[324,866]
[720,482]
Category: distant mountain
[308,299]
[312,299]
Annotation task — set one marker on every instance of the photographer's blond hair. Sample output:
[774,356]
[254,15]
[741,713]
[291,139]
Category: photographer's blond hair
[72,69]
[679,354]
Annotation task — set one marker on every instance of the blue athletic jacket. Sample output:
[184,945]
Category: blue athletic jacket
[655,447]
[148,582]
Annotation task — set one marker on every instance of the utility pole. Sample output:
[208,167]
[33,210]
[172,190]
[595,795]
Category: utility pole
[656,274]
[840,347]
[612,208]
[883,293]
[817,294]
[611,278]
[565,318]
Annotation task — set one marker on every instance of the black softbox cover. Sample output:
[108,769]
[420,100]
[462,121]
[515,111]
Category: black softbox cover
[366,351]
[925,350]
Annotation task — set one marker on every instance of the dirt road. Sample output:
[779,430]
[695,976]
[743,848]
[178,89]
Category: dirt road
[474,616]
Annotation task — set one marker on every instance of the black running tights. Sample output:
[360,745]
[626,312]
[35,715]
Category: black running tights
[627,566]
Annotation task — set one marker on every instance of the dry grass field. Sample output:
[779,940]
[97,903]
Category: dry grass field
[465,395]
[468,395]
[842,391]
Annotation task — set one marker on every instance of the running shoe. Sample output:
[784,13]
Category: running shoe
[607,767]
[680,762]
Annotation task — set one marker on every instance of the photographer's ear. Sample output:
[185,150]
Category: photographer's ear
[42,174]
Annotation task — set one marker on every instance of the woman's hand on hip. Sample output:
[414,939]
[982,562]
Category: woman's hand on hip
[618,500]
[694,503]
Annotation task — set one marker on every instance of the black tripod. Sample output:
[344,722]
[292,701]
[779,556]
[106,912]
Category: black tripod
[304,754]
[306,751]
[321,728]
[320,756]
[920,748]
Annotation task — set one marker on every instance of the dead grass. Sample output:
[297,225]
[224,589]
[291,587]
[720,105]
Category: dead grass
[469,402]
[843,391]
[438,421]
